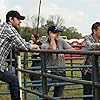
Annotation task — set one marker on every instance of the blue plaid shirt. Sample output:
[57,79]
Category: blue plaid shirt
[92,45]
[9,37]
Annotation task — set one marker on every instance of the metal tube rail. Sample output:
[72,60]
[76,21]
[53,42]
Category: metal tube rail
[80,52]
[96,84]
[39,94]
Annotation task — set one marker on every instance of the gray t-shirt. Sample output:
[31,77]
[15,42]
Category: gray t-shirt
[52,59]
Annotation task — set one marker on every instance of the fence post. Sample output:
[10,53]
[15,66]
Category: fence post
[71,60]
[43,71]
[25,74]
[19,76]
[96,78]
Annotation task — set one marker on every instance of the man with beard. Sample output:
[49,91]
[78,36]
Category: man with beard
[9,37]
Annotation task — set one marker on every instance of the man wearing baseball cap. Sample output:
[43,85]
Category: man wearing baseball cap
[13,14]
[55,42]
[54,29]
[9,37]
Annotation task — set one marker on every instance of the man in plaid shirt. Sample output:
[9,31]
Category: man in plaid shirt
[10,37]
[92,43]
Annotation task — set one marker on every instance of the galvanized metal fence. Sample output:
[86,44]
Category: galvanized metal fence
[71,80]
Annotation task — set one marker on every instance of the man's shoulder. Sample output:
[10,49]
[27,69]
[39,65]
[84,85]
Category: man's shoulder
[61,39]
[5,25]
[2,24]
[88,37]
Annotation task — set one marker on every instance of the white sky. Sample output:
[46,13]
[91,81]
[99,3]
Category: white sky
[80,14]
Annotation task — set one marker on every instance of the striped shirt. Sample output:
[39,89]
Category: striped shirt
[9,37]
[93,45]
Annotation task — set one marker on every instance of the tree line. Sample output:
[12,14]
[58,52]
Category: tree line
[30,26]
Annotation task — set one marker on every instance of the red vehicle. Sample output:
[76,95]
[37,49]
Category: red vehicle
[78,44]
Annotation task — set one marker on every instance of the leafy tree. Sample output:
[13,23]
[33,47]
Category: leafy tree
[72,33]
[49,23]
[54,20]
[26,33]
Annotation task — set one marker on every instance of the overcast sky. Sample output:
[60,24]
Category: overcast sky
[80,14]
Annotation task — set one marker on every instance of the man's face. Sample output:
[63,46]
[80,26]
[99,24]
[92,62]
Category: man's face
[54,35]
[15,22]
[97,32]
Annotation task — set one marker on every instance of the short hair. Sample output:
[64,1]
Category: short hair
[95,26]
[13,13]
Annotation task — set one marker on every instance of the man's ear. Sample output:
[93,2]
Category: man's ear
[94,31]
[10,18]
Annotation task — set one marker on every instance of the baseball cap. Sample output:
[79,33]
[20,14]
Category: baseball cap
[54,29]
[14,13]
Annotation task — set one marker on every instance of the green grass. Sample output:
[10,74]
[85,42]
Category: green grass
[4,88]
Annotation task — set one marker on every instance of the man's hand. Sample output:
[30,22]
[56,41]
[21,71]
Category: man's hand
[34,46]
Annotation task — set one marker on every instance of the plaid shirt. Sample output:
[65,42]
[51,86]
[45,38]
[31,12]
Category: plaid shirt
[91,44]
[9,37]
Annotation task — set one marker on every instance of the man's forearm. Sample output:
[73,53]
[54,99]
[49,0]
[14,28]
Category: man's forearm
[93,46]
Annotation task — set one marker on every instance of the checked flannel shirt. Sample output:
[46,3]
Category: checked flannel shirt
[91,45]
[9,37]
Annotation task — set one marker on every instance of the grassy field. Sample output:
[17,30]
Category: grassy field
[4,88]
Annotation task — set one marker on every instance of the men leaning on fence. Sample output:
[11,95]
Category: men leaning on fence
[92,42]
[55,42]
[10,37]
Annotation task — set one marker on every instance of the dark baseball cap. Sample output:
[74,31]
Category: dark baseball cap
[14,13]
[54,29]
